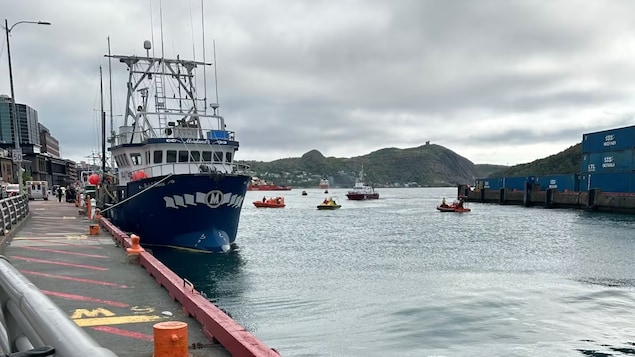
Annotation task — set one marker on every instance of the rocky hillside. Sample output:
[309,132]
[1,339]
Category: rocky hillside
[424,166]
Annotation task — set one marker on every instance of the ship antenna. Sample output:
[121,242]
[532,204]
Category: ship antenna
[215,74]
[161,17]
[204,66]
[192,30]
[151,26]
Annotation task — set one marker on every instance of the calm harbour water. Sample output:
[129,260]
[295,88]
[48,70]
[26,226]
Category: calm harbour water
[394,277]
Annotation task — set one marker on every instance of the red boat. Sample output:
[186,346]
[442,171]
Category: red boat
[275,202]
[361,191]
[262,185]
[452,208]
[456,206]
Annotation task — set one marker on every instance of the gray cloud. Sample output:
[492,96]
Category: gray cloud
[348,77]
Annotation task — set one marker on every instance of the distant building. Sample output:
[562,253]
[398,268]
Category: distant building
[28,132]
[41,158]
[48,142]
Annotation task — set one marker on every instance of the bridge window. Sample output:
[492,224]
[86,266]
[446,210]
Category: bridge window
[171,156]
[135,158]
[183,155]
[147,161]
[158,156]
[218,156]
[195,156]
[207,156]
[228,157]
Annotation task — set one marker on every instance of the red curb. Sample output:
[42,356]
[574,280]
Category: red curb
[216,324]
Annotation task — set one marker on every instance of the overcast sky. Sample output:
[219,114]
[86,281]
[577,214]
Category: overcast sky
[499,82]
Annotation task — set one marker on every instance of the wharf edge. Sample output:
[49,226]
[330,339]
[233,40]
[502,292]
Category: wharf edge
[591,200]
[93,280]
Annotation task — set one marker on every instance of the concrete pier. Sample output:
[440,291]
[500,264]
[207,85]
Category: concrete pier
[593,200]
[113,295]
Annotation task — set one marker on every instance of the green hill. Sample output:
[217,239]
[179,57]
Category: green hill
[428,165]
[568,161]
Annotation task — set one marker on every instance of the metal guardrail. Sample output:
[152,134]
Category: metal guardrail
[31,320]
[30,323]
[13,210]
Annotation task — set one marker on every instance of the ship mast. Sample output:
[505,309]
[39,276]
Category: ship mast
[112,129]
[103,128]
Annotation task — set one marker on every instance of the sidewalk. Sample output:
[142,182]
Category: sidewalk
[96,283]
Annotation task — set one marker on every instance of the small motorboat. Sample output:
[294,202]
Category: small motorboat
[456,206]
[452,208]
[328,204]
[304,193]
[274,202]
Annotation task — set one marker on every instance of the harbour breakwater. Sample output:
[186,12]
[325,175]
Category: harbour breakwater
[591,200]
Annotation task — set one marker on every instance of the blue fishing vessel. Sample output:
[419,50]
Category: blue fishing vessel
[177,184]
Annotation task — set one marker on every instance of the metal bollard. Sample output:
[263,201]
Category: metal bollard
[93,206]
[170,339]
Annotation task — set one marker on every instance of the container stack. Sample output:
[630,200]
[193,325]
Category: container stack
[608,160]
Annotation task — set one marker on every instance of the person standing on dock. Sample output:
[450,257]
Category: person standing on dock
[59,194]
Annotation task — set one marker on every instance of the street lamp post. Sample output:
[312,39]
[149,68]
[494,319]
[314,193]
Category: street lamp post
[16,127]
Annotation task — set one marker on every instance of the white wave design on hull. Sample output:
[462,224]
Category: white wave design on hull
[212,199]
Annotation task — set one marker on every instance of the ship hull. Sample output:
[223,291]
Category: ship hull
[268,188]
[362,196]
[193,211]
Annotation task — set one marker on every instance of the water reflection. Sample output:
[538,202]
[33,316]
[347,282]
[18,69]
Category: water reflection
[218,276]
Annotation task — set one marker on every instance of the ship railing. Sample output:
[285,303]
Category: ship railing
[32,325]
[129,134]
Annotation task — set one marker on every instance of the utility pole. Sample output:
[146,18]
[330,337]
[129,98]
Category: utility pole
[17,151]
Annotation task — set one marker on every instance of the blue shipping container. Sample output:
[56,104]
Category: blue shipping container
[489,183]
[609,181]
[560,183]
[517,182]
[609,140]
[612,161]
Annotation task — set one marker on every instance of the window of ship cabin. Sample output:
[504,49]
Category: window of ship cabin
[136,158]
[218,156]
[183,155]
[195,156]
[147,161]
[170,156]
[124,158]
[117,160]
[228,157]
[207,156]
[158,156]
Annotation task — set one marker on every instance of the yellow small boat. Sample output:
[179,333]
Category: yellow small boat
[328,204]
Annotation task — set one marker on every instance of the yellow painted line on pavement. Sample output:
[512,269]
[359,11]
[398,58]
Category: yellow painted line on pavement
[116,320]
